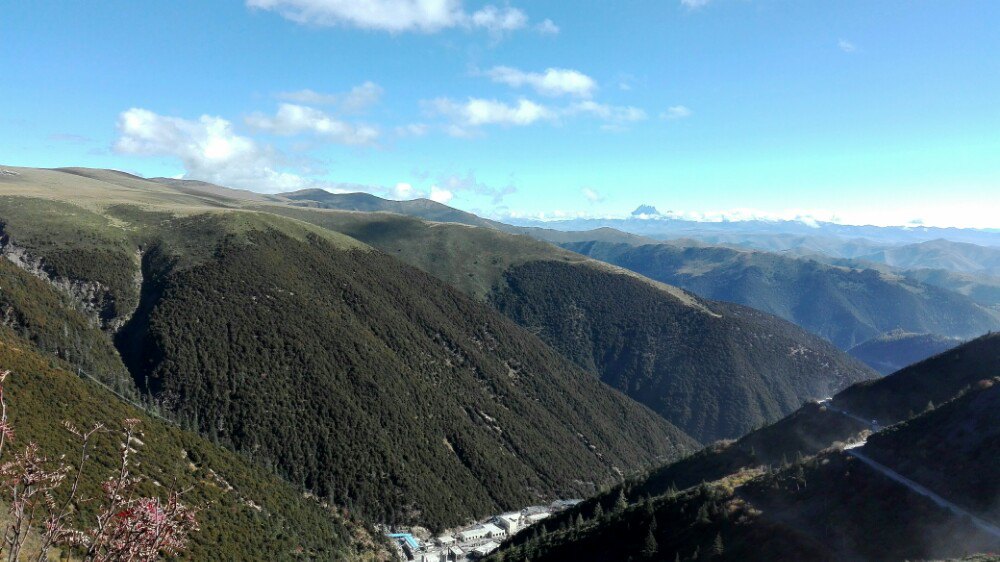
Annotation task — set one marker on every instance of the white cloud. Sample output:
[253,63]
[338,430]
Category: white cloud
[476,112]
[466,117]
[552,82]
[440,195]
[469,183]
[395,16]
[208,148]
[547,27]
[403,191]
[592,195]
[694,4]
[847,46]
[294,119]
[676,112]
[497,20]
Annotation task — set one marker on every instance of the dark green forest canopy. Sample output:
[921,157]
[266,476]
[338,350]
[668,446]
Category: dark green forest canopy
[713,375]
[371,383]
[656,343]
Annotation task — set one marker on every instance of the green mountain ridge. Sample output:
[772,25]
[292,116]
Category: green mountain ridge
[354,376]
[683,357]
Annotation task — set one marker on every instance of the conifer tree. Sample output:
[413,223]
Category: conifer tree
[649,546]
[598,511]
[717,547]
[621,503]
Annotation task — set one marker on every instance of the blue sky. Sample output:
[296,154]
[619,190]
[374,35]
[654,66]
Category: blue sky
[881,112]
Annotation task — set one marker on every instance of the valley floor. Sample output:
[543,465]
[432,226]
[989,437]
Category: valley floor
[473,541]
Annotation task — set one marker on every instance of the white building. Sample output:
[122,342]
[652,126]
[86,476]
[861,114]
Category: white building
[485,549]
[481,533]
[473,534]
[494,532]
[510,522]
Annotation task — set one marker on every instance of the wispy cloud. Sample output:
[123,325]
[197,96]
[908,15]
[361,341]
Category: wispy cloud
[547,27]
[468,183]
[676,112]
[591,195]
[847,46]
[426,16]
[551,82]
[71,138]
[618,114]
[412,130]
[694,4]
[357,100]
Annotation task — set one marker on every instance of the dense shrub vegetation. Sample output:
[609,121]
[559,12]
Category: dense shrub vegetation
[935,380]
[892,351]
[39,312]
[829,507]
[953,449]
[249,513]
[99,252]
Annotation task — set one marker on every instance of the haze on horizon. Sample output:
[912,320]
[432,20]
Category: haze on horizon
[859,113]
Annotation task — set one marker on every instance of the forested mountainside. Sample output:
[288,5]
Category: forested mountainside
[356,377]
[690,360]
[894,350]
[845,306]
[716,372]
[768,497]
[952,450]
[928,382]
[249,513]
[817,426]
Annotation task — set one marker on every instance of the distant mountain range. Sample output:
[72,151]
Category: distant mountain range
[846,306]
[846,240]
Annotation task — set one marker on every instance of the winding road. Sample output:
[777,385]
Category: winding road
[854,450]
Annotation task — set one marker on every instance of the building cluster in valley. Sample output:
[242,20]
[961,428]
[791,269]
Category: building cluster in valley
[475,541]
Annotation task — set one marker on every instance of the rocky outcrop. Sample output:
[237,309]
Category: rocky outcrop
[92,298]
